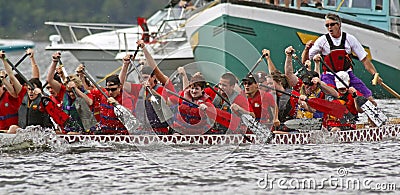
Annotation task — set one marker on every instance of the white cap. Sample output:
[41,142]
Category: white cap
[345,77]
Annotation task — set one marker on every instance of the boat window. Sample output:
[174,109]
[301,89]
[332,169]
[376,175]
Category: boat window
[353,3]
[378,5]
[394,8]
[360,3]
[394,16]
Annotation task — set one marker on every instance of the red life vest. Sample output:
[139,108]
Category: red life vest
[8,110]
[191,120]
[337,59]
[109,122]
[58,115]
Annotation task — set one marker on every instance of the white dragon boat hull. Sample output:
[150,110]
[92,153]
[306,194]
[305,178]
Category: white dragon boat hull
[383,133]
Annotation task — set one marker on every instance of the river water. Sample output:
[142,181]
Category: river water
[93,168]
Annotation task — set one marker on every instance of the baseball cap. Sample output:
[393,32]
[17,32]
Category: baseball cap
[345,77]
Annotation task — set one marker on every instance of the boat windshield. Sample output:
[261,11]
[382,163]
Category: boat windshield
[165,14]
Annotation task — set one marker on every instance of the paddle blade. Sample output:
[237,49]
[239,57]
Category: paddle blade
[332,108]
[127,118]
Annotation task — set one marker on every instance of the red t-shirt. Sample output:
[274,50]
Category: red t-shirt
[261,103]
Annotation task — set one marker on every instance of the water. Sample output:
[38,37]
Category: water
[93,168]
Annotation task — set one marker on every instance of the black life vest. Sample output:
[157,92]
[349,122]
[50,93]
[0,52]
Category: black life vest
[219,103]
[337,59]
[285,106]
[31,114]
[148,115]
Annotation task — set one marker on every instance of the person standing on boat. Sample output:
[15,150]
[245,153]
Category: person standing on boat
[346,97]
[336,47]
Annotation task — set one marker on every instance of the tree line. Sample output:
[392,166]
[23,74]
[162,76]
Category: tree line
[24,19]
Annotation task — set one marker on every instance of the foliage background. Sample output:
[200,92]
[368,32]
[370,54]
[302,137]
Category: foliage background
[24,19]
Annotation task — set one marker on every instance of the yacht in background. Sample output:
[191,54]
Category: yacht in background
[104,45]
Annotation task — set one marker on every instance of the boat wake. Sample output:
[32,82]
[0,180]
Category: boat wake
[38,139]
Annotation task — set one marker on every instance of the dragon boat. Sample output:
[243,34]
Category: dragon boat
[375,134]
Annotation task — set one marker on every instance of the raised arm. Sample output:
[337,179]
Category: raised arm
[185,80]
[271,65]
[7,84]
[35,68]
[82,77]
[317,62]
[50,76]
[305,53]
[291,77]
[16,87]
[124,70]
[152,63]
[123,73]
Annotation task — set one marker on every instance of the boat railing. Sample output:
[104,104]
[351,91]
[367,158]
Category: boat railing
[382,14]
[90,29]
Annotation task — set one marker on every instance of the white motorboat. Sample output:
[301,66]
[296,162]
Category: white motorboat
[102,52]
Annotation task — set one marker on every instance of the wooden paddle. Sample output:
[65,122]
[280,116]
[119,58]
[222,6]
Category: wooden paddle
[335,109]
[123,114]
[387,88]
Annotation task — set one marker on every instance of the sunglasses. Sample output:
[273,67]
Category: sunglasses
[330,24]
[247,83]
[112,89]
